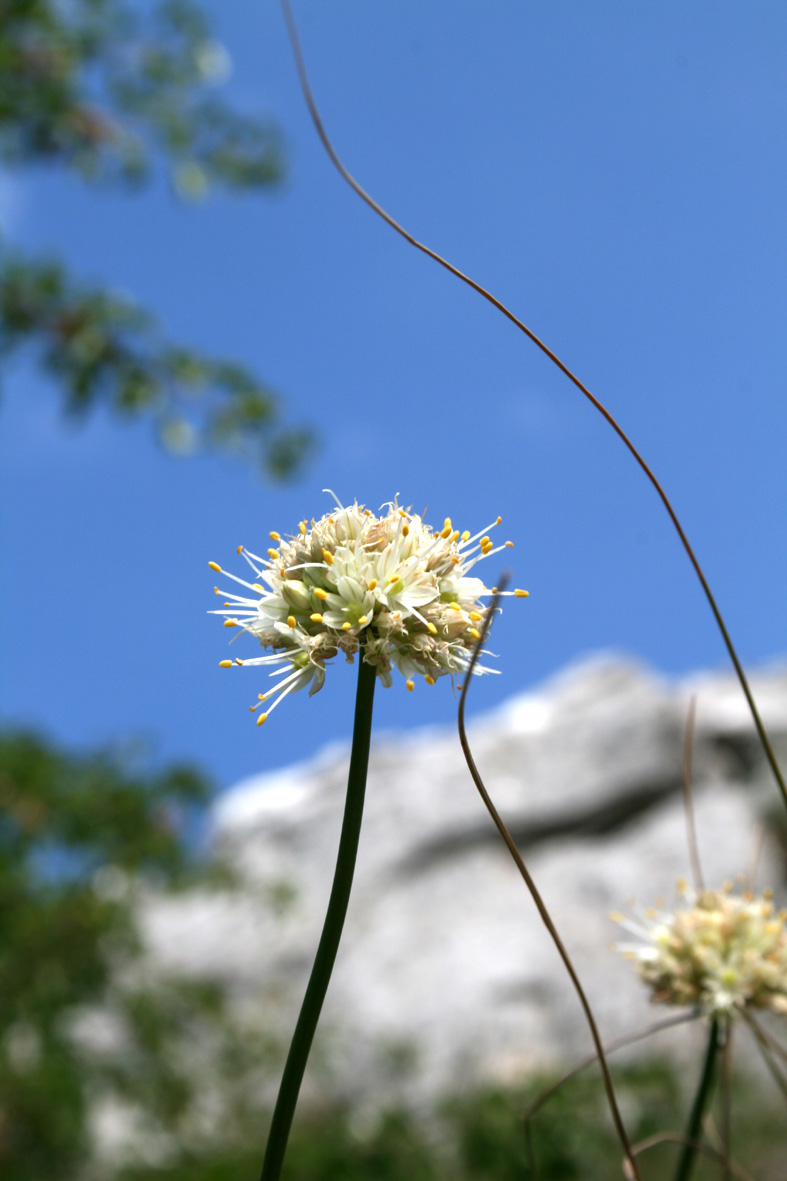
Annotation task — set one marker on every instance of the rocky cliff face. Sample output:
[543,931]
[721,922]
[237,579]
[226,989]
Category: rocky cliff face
[446,975]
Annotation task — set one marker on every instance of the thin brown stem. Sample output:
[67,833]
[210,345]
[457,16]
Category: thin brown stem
[599,406]
[534,892]
[768,1057]
[703,1149]
[688,798]
[610,1048]
[772,1042]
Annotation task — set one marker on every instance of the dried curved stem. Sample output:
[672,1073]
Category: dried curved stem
[736,1171]
[534,893]
[766,1047]
[505,311]
[618,1044]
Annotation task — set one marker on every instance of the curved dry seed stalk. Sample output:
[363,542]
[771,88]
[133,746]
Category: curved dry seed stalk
[736,1171]
[766,1050]
[600,407]
[534,893]
[618,1044]
[772,1042]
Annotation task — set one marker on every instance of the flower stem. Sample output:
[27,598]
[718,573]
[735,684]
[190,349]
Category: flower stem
[694,1126]
[332,927]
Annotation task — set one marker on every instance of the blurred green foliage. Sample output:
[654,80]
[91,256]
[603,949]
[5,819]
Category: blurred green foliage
[106,88]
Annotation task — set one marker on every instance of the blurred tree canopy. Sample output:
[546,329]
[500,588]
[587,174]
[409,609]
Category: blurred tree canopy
[106,88]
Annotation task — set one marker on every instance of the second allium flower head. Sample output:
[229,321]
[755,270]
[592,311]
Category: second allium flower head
[721,951]
[386,586]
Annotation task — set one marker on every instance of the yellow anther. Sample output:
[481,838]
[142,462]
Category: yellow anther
[252,708]
[459,686]
[216,590]
[431,627]
[260,589]
[363,620]
[455,535]
[499,519]
[429,680]
[476,615]
[346,626]
[327,557]
[261,696]
[405,530]
[238,662]
[520,594]
[225,664]
[316,618]
[291,621]
[230,623]
[410,686]
[466,535]
[510,544]
[372,583]
[485,541]
[455,607]
[681,885]
[274,535]
[447,524]
[319,593]
[367,512]
[391,578]
[475,633]
[226,604]
[215,566]
[273,553]
[402,513]
[239,550]
[768,892]
[262,718]
[302,527]
[455,558]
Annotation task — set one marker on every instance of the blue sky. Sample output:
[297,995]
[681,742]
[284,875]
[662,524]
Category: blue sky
[616,173]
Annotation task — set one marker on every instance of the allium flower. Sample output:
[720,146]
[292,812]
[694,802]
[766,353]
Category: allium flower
[388,587]
[722,951]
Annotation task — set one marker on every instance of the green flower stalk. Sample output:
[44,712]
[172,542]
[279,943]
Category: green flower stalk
[392,591]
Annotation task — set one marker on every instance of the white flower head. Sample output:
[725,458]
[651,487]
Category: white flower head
[388,587]
[719,950]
